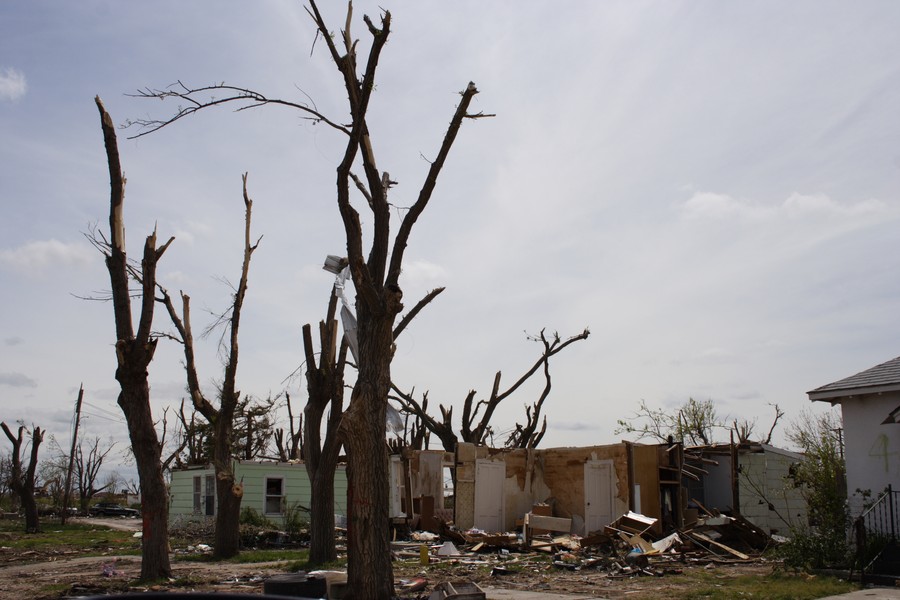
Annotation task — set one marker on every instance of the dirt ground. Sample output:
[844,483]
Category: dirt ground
[62,573]
[72,577]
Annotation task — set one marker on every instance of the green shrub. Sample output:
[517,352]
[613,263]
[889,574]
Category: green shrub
[295,519]
[820,476]
[249,516]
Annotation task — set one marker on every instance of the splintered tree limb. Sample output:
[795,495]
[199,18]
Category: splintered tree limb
[116,260]
[444,430]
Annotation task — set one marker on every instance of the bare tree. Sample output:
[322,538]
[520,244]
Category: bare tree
[51,474]
[524,436]
[693,422]
[252,433]
[87,470]
[778,414]
[6,480]
[194,436]
[86,461]
[289,449]
[134,352]
[378,302]
[228,491]
[113,481]
[254,427]
[22,482]
[375,278]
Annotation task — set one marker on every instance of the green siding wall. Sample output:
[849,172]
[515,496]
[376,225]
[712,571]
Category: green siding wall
[295,487]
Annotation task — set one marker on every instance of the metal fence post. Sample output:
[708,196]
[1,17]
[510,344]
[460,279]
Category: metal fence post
[891,508]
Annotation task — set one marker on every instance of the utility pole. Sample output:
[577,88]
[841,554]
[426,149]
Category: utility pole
[68,490]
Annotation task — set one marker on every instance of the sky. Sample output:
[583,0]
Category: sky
[710,187]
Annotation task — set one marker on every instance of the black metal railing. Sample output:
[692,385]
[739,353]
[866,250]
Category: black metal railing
[876,532]
[881,519]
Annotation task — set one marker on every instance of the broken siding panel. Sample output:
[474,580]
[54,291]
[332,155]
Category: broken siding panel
[428,475]
[646,475]
[768,498]
[754,494]
[788,500]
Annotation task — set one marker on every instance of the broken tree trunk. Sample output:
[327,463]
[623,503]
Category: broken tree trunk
[134,352]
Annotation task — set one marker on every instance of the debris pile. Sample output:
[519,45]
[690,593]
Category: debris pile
[626,548]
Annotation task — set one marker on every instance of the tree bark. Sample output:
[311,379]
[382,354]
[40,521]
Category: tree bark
[134,351]
[229,492]
[134,399]
[363,428]
[322,549]
[325,385]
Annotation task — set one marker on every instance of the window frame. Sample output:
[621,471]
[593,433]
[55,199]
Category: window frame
[267,496]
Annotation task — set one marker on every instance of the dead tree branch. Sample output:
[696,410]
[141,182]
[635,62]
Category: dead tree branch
[203,97]
[524,436]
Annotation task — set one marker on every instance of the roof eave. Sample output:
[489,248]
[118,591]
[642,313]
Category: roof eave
[837,394]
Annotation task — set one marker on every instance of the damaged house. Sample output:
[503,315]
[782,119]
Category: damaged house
[583,490]
[493,489]
[754,478]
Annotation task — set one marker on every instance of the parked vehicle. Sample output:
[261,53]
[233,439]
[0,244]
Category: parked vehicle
[111,509]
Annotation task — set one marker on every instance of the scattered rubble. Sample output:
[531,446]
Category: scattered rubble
[626,548]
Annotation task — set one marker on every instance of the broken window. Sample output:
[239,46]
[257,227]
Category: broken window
[210,499]
[204,499]
[274,495]
[198,488]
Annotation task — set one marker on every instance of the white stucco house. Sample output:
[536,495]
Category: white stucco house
[870,406]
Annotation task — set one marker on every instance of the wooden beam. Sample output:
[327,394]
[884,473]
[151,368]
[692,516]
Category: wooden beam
[709,540]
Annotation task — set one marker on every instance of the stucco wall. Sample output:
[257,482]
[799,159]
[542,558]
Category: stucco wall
[538,475]
[871,450]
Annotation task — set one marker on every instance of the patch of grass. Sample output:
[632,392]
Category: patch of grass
[54,589]
[779,585]
[71,536]
[303,565]
[252,556]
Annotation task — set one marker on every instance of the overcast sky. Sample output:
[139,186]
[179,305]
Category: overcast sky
[711,187]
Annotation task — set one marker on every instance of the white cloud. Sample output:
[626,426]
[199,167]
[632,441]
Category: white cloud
[12,84]
[17,380]
[40,255]
[13,341]
[800,205]
[176,278]
[709,205]
[422,272]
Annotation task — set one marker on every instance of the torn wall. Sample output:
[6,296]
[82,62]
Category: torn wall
[495,488]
